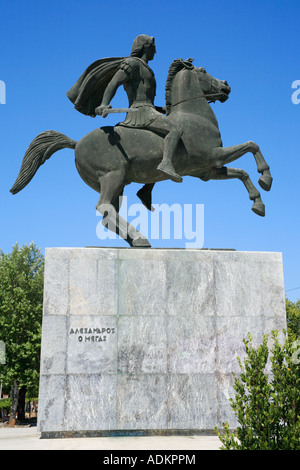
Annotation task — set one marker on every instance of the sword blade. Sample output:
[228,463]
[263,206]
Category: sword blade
[121,110]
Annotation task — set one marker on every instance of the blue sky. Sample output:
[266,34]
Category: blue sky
[254,45]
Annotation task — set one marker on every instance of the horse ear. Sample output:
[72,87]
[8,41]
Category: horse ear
[188,63]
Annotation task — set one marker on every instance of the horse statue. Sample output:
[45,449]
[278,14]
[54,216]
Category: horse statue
[109,158]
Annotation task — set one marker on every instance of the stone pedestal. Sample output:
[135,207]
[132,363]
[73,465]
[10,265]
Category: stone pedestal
[146,340]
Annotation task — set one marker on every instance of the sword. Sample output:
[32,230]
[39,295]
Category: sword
[117,110]
[121,110]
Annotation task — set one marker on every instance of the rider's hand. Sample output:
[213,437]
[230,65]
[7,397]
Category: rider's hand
[102,110]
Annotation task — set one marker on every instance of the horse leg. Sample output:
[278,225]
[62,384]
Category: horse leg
[145,195]
[112,186]
[227,155]
[225,173]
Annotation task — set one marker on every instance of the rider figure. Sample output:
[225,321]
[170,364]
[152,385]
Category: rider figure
[139,83]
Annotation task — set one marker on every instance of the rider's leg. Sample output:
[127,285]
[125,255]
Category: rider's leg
[171,140]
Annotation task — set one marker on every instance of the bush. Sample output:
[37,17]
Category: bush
[293,319]
[267,407]
[5,403]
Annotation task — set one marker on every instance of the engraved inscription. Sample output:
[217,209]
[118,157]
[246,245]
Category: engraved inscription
[92,335]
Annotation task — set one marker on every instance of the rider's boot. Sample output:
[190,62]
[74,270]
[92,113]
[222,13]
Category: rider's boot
[170,143]
[167,168]
[145,195]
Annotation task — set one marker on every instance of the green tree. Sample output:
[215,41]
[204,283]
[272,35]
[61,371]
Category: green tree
[293,319]
[267,406]
[21,301]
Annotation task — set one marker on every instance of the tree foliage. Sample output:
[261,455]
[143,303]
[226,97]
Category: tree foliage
[21,300]
[293,319]
[267,406]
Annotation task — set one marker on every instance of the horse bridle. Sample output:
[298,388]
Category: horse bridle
[188,65]
[198,96]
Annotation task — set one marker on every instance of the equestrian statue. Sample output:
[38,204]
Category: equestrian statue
[153,143]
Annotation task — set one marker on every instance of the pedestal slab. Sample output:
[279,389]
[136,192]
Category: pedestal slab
[144,341]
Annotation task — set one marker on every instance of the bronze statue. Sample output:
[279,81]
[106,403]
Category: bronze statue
[139,83]
[138,149]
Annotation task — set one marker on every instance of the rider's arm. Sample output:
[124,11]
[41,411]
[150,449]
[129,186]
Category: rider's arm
[119,78]
[128,69]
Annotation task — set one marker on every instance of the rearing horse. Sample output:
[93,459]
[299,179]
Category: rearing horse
[109,158]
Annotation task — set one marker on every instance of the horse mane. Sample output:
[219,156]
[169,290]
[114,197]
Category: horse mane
[175,67]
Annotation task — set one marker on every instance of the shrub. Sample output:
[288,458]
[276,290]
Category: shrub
[267,407]
[5,403]
[293,319]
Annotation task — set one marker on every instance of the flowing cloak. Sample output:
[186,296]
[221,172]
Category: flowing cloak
[87,93]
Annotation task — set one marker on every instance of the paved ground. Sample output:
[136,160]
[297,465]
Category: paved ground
[29,439]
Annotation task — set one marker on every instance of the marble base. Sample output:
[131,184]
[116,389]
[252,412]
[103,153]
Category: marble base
[146,340]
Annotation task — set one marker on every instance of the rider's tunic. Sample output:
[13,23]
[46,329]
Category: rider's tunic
[141,89]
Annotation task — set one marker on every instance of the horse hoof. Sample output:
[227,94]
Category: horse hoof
[265,182]
[140,243]
[259,208]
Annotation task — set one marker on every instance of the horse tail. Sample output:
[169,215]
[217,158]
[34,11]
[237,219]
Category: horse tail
[41,148]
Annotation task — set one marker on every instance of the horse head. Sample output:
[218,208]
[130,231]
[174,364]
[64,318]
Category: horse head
[186,82]
[213,88]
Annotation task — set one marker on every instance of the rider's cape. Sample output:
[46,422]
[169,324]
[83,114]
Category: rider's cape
[87,93]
